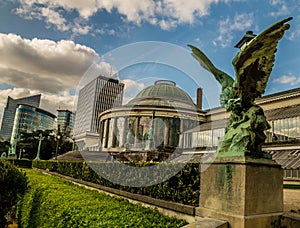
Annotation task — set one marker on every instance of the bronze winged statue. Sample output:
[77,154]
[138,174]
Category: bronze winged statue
[244,135]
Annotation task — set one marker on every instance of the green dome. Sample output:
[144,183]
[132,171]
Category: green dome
[163,93]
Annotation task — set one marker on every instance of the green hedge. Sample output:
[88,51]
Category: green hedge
[184,187]
[13,184]
[53,202]
[22,163]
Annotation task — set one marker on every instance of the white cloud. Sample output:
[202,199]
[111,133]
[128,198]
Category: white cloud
[53,17]
[131,89]
[36,10]
[287,79]
[165,13]
[47,67]
[57,65]
[49,102]
[282,8]
[240,22]
[294,34]
[52,102]
[105,31]
[14,93]
[81,29]
[167,25]
[276,2]
[186,11]
[134,10]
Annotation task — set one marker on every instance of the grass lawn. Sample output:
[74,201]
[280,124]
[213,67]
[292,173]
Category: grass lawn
[53,202]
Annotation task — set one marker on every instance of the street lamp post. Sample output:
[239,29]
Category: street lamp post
[13,148]
[20,154]
[39,146]
[56,150]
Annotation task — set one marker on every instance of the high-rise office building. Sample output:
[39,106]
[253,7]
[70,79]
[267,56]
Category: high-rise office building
[65,122]
[10,110]
[29,119]
[100,94]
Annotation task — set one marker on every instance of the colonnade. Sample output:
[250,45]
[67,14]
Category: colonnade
[142,132]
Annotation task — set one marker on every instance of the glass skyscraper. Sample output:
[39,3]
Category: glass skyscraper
[28,119]
[65,121]
[10,110]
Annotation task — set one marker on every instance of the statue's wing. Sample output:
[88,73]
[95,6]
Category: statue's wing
[253,64]
[224,79]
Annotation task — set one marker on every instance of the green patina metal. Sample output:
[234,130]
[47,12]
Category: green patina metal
[41,138]
[244,134]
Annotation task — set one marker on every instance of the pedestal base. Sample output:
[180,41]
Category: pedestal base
[244,191]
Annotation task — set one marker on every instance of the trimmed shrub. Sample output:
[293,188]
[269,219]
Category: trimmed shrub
[13,185]
[184,187]
[53,202]
[22,163]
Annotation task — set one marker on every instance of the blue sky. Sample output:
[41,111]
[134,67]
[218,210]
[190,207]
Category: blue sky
[52,47]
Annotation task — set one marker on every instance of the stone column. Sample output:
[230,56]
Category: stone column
[181,126]
[155,132]
[153,125]
[180,134]
[111,132]
[101,133]
[123,132]
[246,192]
[166,132]
[114,132]
[136,131]
[171,131]
[106,131]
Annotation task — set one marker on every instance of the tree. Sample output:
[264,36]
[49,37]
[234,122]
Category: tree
[4,147]
[52,141]
[28,144]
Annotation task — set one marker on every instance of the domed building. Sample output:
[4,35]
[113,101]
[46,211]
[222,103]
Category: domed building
[149,126]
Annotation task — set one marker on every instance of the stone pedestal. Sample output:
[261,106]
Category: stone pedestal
[244,191]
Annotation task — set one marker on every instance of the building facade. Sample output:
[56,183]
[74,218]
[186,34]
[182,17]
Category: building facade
[151,122]
[100,94]
[281,109]
[10,110]
[163,118]
[65,122]
[29,119]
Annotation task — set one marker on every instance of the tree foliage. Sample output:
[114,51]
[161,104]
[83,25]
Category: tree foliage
[13,184]
[4,147]
[28,144]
